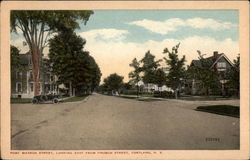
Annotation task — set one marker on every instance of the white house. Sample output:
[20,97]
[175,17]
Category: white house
[150,87]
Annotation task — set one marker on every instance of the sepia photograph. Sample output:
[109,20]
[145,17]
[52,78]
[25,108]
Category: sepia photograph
[127,82]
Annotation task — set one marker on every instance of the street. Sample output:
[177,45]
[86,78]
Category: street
[111,123]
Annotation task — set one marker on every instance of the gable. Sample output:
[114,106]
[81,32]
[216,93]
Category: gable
[223,58]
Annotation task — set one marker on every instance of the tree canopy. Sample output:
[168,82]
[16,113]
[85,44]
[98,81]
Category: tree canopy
[135,74]
[37,26]
[160,77]
[176,68]
[149,66]
[71,63]
[15,59]
[233,76]
[113,82]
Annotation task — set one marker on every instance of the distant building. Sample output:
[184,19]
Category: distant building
[219,64]
[22,84]
[150,87]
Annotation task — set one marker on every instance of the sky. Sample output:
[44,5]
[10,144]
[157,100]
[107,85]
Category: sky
[115,37]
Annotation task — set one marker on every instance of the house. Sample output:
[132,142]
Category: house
[22,84]
[220,64]
[150,87]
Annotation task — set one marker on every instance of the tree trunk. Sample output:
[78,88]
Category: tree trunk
[35,54]
[207,91]
[137,91]
[70,89]
[176,94]
[74,92]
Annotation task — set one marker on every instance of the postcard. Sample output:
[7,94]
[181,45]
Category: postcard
[124,80]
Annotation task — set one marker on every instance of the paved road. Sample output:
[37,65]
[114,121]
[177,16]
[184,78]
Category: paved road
[106,122]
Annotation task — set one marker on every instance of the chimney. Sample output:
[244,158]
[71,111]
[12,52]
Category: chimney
[215,54]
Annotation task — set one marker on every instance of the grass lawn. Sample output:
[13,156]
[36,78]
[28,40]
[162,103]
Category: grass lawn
[146,95]
[204,98]
[20,100]
[128,97]
[74,99]
[221,109]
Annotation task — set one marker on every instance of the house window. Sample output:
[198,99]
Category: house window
[31,87]
[19,87]
[221,65]
[31,75]
[18,75]
[221,69]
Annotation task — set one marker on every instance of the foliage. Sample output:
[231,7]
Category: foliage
[95,73]
[177,69]
[233,75]
[129,92]
[15,59]
[37,26]
[71,64]
[149,66]
[160,77]
[135,74]
[187,91]
[113,82]
[127,85]
[164,94]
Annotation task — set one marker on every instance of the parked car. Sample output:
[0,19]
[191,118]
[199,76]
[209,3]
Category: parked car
[43,98]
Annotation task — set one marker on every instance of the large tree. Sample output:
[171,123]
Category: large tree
[95,73]
[176,68]
[73,66]
[149,66]
[37,26]
[113,82]
[160,77]
[135,74]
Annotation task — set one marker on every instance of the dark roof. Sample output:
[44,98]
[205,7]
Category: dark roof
[210,59]
[196,63]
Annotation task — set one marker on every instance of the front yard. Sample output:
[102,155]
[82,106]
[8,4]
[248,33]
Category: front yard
[29,100]
[20,100]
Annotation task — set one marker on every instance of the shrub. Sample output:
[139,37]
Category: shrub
[215,91]
[164,94]
[203,91]
[129,92]
[232,93]
[187,91]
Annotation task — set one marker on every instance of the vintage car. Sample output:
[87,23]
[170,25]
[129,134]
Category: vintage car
[45,98]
